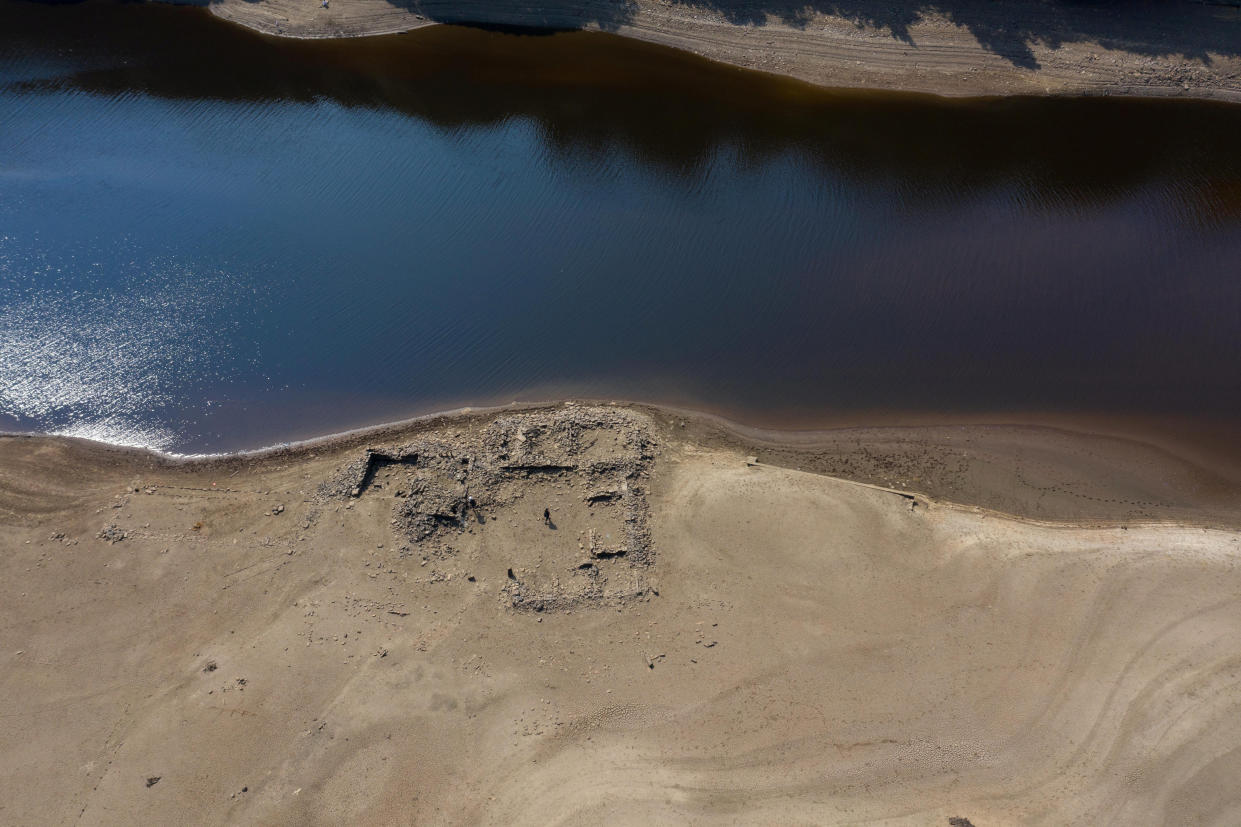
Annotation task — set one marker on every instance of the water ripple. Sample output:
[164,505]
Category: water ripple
[103,364]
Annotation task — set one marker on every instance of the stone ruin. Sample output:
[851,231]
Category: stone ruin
[600,456]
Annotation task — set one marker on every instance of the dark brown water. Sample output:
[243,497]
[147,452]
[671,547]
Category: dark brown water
[212,240]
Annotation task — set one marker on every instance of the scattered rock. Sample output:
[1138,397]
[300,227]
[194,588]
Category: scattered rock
[603,495]
[152,780]
[112,534]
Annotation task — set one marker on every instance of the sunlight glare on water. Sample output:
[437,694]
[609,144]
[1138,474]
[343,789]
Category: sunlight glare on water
[211,240]
[97,363]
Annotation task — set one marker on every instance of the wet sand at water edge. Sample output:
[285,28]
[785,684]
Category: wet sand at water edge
[908,625]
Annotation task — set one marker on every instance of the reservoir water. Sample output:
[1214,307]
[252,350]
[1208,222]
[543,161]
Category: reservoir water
[212,240]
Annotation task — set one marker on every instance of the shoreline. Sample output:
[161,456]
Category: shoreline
[1030,48]
[493,604]
[553,611]
[790,431]
[1047,473]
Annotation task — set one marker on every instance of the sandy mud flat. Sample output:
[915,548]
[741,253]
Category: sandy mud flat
[1183,48]
[999,625]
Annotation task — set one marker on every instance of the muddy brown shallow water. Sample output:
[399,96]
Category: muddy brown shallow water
[213,240]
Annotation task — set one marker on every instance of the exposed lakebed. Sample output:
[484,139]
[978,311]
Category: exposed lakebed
[212,240]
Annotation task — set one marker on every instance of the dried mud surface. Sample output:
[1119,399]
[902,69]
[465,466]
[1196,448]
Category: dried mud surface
[713,628]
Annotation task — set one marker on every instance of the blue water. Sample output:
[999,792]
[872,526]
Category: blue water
[245,241]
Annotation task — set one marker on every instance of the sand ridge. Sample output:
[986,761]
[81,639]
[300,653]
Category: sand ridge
[238,641]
